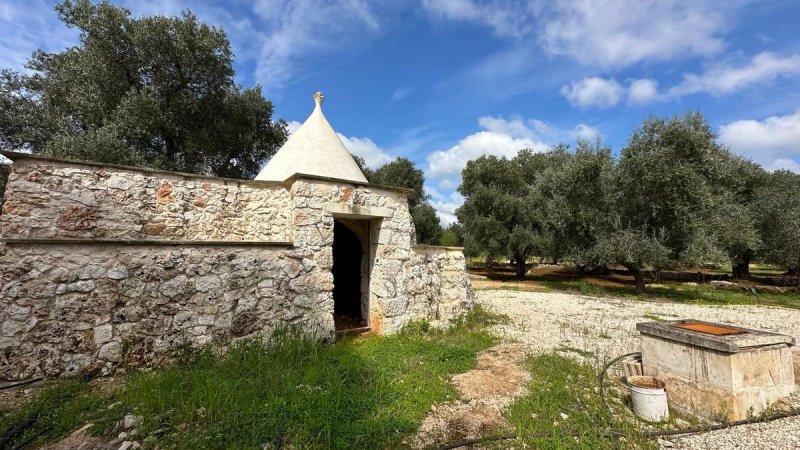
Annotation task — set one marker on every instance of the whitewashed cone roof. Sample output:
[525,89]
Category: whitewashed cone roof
[314,149]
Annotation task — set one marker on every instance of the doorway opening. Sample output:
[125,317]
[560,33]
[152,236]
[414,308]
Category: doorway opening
[351,274]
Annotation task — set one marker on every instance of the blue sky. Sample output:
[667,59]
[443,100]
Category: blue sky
[443,82]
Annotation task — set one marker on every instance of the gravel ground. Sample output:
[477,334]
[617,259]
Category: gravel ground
[600,329]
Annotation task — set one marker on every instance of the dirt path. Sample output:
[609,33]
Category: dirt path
[485,391]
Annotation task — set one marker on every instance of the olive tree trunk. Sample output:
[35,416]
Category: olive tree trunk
[741,268]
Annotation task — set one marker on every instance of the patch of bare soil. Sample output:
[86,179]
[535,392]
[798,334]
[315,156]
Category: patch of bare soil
[482,282]
[485,391]
[81,440]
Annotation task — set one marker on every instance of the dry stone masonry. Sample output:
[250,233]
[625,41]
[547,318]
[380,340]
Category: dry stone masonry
[104,265]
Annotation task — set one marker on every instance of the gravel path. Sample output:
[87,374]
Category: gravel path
[600,329]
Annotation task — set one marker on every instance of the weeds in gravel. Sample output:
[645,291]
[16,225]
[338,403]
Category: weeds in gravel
[296,392]
[563,400]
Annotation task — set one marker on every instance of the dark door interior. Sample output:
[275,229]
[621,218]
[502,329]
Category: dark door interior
[346,270]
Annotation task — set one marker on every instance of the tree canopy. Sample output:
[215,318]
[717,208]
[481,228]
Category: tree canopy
[403,173]
[151,91]
[673,197]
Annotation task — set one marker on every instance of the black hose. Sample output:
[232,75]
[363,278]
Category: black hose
[12,433]
[616,433]
[21,383]
[25,443]
[602,376]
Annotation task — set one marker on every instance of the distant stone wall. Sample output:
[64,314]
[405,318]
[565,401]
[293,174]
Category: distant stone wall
[438,283]
[66,307]
[46,199]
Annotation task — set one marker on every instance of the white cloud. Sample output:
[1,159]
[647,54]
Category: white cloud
[499,137]
[452,160]
[719,79]
[773,142]
[763,68]
[643,91]
[617,33]
[593,91]
[373,154]
[508,19]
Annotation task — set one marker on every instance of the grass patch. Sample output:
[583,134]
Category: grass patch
[652,317]
[293,391]
[561,386]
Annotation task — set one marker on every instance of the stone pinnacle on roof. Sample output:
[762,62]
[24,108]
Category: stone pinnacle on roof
[314,149]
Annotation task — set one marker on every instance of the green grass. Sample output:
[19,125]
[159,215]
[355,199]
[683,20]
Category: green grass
[360,393]
[560,385]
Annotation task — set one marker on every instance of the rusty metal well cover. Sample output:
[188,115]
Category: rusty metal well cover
[709,328]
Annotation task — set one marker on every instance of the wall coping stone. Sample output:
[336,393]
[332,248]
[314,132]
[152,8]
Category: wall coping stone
[13,156]
[90,241]
[732,343]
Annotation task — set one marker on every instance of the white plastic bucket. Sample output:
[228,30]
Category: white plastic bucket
[649,398]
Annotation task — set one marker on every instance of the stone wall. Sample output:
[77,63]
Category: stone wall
[66,307]
[103,266]
[438,283]
[47,199]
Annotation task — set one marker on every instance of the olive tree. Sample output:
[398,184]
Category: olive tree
[153,91]
[402,172]
[777,207]
[498,217]
[573,193]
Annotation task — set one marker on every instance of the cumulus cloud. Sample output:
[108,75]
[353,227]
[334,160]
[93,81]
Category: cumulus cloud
[593,91]
[773,142]
[619,33]
[643,91]
[498,136]
[719,79]
[452,160]
[373,154]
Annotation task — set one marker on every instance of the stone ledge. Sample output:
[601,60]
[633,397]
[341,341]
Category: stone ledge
[729,344]
[304,177]
[14,156]
[74,241]
[359,211]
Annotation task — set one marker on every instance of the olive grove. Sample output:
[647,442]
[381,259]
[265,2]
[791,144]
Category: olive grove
[673,197]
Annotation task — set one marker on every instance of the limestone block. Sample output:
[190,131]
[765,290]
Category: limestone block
[103,334]
[19,313]
[117,273]
[111,351]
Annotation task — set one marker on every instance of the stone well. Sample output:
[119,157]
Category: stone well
[716,371]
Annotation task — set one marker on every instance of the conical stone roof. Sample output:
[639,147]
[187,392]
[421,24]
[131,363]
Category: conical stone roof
[314,149]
